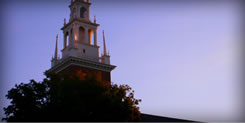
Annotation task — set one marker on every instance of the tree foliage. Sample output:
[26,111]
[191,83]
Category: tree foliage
[68,98]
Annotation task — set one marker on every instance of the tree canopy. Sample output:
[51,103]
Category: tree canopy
[68,98]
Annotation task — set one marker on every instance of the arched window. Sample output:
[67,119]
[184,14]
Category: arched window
[83,12]
[90,36]
[81,35]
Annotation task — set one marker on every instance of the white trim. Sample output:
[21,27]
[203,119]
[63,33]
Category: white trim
[69,61]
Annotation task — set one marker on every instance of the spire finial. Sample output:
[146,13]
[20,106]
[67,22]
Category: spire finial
[95,19]
[64,21]
[105,52]
[56,48]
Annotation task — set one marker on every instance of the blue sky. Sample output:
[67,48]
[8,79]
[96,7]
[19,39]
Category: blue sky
[181,58]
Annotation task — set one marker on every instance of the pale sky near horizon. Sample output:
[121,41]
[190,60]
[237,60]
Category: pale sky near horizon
[182,59]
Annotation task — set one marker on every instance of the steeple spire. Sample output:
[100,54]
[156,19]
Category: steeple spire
[56,48]
[95,19]
[105,52]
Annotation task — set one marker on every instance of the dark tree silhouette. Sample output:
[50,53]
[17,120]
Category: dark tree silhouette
[68,98]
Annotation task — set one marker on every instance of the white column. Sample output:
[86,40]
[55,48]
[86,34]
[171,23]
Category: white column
[65,41]
[88,12]
[95,37]
[69,42]
[72,37]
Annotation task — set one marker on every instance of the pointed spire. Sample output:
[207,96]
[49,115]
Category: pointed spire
[64,21]
[56,48]
[95,19]
[105,52]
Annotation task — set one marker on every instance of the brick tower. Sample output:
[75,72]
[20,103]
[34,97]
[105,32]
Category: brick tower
[80,54]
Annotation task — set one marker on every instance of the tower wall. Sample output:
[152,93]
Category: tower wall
[84,72]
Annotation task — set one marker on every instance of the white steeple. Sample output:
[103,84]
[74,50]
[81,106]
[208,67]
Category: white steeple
[80,44]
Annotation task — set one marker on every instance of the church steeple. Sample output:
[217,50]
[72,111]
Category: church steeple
[79,32]
[81,51]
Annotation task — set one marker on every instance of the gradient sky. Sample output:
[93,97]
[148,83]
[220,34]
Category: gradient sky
[181,58]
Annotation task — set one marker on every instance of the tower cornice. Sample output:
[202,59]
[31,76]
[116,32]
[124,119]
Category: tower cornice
[79,20]
[69,47]
[64,63]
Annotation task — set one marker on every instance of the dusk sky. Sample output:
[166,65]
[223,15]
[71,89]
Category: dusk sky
[181,58]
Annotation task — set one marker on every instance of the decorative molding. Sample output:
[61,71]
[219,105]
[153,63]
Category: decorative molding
[64,63]
[79,20]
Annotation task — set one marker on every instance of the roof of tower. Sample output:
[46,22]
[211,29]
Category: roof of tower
[80,1]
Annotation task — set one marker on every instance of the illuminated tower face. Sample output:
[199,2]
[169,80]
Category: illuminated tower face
[81,53]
